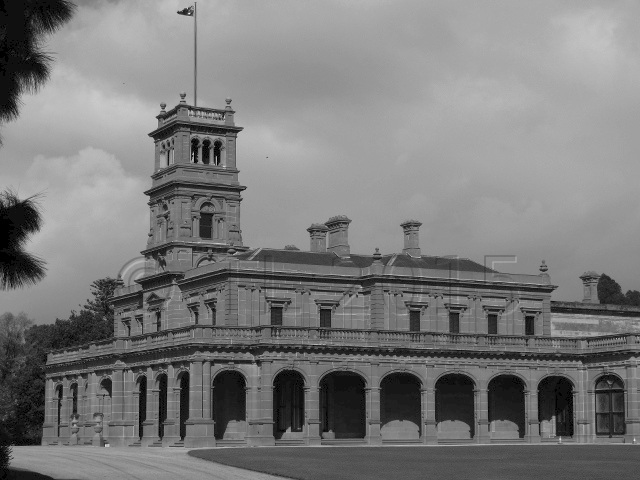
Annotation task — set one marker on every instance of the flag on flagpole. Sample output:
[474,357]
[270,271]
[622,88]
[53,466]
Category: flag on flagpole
[186,11]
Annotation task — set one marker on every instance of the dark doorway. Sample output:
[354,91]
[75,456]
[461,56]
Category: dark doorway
[184,404]
[229,406]
[162,405]
[142,405]
[288,405]
[342,406]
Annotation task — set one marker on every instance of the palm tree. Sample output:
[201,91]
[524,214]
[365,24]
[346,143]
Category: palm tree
[24,66]
[18,220]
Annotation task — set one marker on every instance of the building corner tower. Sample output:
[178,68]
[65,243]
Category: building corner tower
[194,199]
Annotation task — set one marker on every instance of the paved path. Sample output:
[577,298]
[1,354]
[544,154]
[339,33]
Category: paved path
[93,463]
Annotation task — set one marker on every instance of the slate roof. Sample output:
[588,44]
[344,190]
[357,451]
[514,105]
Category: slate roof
[362,261]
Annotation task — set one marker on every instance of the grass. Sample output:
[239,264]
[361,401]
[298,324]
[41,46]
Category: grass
[495,462]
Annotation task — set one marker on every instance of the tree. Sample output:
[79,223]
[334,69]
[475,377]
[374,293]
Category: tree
[632,297]
[609,291]
[24,65]
[102,291]
[18,220]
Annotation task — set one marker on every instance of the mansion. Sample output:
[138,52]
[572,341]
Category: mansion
[220,344]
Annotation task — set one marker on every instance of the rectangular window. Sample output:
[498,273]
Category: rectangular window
[196,315]
[206,226]
[158,321]
[492,323]
[414,320]
[529,325]
[325,318]
[140,321]
[276,315]
[454,322]
[127,327]
[212,309]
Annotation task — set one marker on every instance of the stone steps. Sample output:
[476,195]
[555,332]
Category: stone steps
[290,442]
[343,441]
[400,441]
[231,443]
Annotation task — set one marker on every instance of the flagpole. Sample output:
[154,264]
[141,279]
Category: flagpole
[195,54]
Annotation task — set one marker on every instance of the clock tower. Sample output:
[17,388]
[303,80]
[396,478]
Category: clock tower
[194,199]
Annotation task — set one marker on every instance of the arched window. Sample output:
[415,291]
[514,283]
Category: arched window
[164,159]
[609,406]
[171,156]
[206,152]
[217,152]
[195,147]
[206,225]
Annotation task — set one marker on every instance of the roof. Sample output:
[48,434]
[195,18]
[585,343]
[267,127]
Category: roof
[362,261]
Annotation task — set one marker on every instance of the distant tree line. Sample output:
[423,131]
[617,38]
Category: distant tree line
[23,355]
[609,291]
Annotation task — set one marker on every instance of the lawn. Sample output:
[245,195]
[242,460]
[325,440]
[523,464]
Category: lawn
[494,462]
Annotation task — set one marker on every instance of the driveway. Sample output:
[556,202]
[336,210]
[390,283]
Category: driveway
[93,463]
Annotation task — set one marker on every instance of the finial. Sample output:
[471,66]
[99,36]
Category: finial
[543,267]
[182,97]
[377,255]
[119,281]
[162,107]
[228,100]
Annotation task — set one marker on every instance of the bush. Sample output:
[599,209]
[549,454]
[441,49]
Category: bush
[5,449]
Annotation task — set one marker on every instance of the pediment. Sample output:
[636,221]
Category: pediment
[155,298]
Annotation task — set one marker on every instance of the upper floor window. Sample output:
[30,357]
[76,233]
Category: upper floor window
[276,315]
[211,306]
[140,321]
[217,152]
[206,152]
[127,327]
[74,399]
[206,225]
[158,321]
[610,406]
[325,318]
[492,323]
[454,322]
[195,150]
[529,325]
[414,320]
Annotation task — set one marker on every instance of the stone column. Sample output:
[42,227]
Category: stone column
[261,415]
[135,410]
[580,408]
[531,417]
[199,425]
[482,414]
[118,426]
[48,426]
[374,436]
[591,415]
[150,425]
[312,414]
[632,415]
[429,432]
[172,423]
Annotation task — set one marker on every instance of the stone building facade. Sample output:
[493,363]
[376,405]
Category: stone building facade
[222,344]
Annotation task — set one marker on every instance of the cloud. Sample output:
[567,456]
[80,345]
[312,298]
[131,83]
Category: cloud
[91,209]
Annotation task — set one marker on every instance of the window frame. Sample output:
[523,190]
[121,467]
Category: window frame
[611,414]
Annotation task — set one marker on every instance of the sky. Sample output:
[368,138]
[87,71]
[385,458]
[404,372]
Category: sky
[506,127]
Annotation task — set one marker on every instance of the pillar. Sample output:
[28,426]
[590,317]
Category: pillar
[150,425]
[48,425]
[374,436]
[261,412]
[580,408]
[482,414]
[172,423]
[429,432]
[312,414]
[531,416]
[120,430]
[200,426]
[632,415]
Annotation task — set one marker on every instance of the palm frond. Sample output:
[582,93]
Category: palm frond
[46,16]
[19,269]
[18,219]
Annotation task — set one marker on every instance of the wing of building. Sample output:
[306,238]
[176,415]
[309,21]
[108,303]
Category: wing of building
[221,344]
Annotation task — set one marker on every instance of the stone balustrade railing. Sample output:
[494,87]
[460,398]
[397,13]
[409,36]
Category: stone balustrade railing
[336,337]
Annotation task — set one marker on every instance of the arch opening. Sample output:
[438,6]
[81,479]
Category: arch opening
[506,407]
[162,404]
[142,405]
[184,404]
[288,405]
[206,152]
[217,152]
[58,403]
[400,407]
[342,406]
[455,400]
[229,406]
[195,150]
[555,407]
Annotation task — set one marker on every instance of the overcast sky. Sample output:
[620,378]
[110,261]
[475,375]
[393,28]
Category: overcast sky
[506,127]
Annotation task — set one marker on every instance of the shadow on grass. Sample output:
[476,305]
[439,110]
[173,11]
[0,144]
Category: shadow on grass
[496,462]
[21,474]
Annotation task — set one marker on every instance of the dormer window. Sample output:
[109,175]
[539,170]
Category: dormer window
[195,150]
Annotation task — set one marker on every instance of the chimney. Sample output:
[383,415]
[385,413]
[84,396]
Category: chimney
[318,235]
[590,281]
[411,237]
[338,235]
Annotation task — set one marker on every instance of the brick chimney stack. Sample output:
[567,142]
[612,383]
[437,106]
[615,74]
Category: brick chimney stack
[338,235]
[590,280]
[318,236]
[411,237]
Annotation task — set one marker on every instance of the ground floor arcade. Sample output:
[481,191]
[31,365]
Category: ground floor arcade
[204,402]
